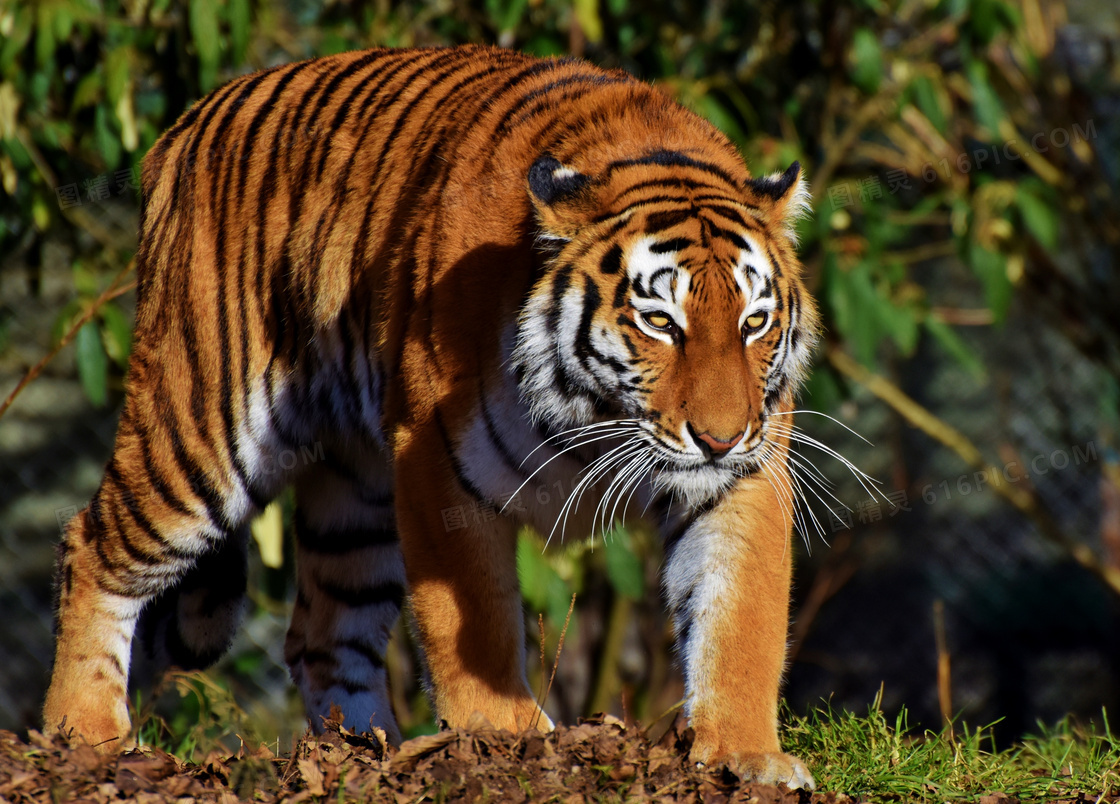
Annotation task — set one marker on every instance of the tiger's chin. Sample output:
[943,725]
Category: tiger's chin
[696,486]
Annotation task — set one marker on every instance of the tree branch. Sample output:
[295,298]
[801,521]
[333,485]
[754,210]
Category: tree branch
[114,290]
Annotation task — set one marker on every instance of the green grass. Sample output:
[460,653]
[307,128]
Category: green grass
[872,758]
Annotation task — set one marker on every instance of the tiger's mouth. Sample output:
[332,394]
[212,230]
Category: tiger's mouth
[685,456]
[699,477]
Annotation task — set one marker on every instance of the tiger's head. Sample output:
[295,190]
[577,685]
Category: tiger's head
[673,305]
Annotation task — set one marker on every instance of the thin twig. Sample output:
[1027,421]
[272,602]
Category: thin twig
[110,293]
[942,432]
[944,665]
[555,661]
[671,710]
[544,666]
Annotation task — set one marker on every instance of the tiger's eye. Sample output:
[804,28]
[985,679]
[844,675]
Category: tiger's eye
[658,320]
[754,323]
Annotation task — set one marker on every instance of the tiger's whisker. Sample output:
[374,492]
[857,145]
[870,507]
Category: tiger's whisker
[624,424]
[618,486]
[617,433]
[588,478]
[825,415]
[866,481]
[634,479]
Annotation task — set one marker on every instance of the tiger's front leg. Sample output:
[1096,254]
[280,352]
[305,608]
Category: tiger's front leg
[727,581]
[461,562]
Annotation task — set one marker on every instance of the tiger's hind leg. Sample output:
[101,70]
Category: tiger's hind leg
[114,559]
[170,498]
[350,589]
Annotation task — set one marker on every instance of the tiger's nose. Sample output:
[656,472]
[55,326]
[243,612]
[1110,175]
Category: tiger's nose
[712,445]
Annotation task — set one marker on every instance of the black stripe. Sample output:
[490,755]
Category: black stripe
[375,114]
[193,473]
[584,348]
[189,161]
[251,133]
[257,498]
[300,167]
[428,171]
[505,124]
[508,459]
[353,395]
[774,264]
[442,159]
[727,234]
[731,213]
[611,263]
[645,202]
[229,428]
[133,551]
[674,159]
[219,134]
[184,122]
[432,80]
[363,649]
[560,284]
[659,221]
[157,481]
[344,106]
[563,128]
[583,85]
[622,292]
[165,549]
[667,246]
[340,541]
[456,466]
[630,347]
[666,182]
[378,594]
[323,143]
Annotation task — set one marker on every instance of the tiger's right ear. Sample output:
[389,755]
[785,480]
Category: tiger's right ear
[560,196]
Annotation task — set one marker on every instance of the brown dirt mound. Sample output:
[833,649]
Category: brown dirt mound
[598,760]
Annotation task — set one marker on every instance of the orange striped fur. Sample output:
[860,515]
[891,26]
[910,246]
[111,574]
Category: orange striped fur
[450,276]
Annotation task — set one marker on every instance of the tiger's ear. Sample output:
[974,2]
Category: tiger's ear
[560,196]
[784,197]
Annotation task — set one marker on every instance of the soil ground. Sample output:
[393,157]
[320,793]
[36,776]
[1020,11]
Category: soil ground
[598,760]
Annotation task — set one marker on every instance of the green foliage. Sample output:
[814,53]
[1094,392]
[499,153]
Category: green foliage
[625,568]
[93,364]
[191,715]
[547,579]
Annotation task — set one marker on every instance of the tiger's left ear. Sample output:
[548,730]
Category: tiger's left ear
[561,196]
[784,197]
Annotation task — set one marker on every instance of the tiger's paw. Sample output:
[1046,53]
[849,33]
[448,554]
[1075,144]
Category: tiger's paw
[104,736]
[771,768]
[106,728]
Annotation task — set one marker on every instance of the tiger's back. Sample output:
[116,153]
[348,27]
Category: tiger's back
[429,264]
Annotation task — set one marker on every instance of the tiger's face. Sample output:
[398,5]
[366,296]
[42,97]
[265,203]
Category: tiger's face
[683,321]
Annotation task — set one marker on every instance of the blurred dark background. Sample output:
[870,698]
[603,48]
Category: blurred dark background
[964,157]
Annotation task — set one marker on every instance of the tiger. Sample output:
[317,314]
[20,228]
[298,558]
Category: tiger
[463,273]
